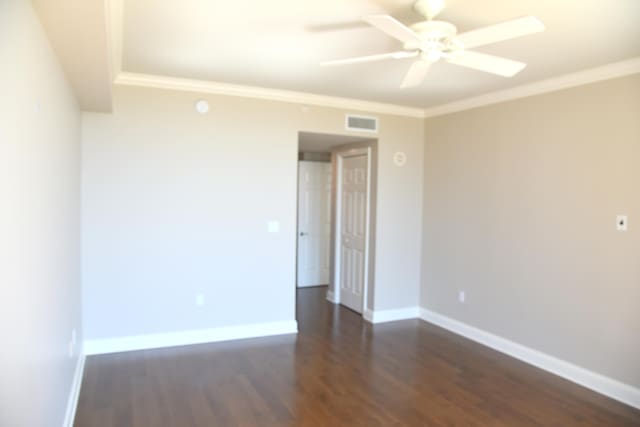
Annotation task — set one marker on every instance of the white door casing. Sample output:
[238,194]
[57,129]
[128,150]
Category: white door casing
[352,227]
[314,223]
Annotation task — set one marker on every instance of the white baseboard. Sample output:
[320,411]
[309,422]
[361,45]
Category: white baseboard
[382,316]
[589,379]
[198,336]
[368,315]
[74,392]
[331,297]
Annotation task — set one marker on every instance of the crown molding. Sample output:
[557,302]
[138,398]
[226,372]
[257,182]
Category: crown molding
[605,72]
[219,88]
[113,16]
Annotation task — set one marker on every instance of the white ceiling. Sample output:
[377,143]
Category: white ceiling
[279,44]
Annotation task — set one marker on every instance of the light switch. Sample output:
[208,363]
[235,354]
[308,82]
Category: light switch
[622,223]
[273,226]
[461,296]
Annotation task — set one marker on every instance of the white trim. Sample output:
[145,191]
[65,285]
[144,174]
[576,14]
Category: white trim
[368,315]
[382,316]
[114,16]
[219,88]
[589,379]
[198,336]
[333,297]
[605,72]
[367,235]
[74,392]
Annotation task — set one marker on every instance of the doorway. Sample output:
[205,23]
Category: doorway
[336,195]
[314,221]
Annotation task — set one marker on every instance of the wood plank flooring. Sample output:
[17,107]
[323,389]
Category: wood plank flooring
[338,371]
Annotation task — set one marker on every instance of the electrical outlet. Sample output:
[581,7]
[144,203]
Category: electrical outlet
[622,223]
[199,300]
[461,296]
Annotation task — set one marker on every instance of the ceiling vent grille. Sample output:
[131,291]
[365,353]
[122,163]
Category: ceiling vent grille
[362,123]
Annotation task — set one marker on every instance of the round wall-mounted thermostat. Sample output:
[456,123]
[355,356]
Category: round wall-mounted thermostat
[400,158]
[202,106]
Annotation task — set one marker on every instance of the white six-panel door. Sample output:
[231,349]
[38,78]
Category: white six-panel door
[314,222]
[353,230]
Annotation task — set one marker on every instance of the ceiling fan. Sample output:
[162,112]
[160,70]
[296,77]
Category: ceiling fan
[430,41]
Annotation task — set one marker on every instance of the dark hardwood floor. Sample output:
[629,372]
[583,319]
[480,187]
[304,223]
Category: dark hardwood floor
[339,370]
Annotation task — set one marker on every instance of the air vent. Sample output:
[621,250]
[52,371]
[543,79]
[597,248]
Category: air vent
[362,123]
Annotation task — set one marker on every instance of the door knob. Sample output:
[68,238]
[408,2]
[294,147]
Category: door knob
[302,234]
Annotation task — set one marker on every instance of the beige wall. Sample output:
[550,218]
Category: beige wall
[39,224]
[520,201]
[176,203]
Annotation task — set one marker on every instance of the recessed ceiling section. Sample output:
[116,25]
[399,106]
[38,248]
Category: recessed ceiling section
[280,43]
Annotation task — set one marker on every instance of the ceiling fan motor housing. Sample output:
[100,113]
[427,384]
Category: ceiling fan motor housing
[428,8]
[437,39]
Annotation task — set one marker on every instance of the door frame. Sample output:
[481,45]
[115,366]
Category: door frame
[340,154]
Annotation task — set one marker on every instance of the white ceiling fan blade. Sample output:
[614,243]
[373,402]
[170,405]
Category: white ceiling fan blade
[370,58]
[416,74]
[488,63]
[392,27]
[504,31]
